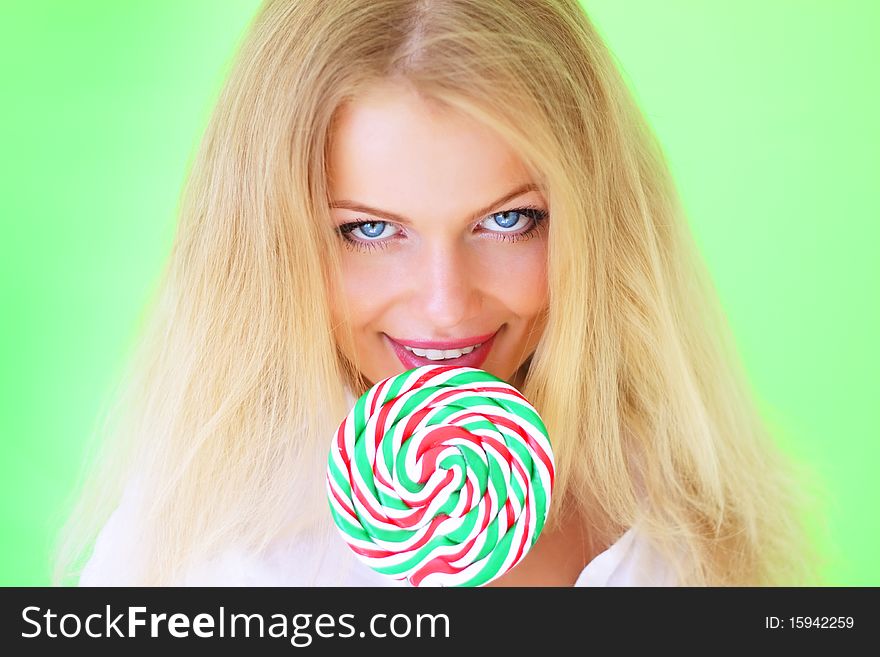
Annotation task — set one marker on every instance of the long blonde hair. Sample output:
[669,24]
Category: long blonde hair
[227,406]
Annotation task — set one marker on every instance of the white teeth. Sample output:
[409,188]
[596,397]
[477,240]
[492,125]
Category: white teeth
[441,354]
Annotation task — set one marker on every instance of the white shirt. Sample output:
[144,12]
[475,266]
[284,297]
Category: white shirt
[630,561]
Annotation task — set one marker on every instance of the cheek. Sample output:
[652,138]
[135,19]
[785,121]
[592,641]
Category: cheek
[364,291]
[519,278]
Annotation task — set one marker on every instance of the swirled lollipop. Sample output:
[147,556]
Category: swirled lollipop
[441,476]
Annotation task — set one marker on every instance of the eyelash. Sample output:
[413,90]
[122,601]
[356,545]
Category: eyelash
[537,215]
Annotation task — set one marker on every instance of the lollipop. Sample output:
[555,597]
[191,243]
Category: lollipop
[441,476]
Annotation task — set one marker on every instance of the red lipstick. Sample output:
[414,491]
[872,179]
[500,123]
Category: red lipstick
[476,358]
[445,344]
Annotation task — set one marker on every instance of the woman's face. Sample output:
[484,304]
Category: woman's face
[443,239]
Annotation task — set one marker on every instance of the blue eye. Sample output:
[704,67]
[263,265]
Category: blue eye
[518,224]
[508,219]
[369,230]
[372,229]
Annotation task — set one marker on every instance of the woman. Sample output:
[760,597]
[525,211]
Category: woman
[379,173]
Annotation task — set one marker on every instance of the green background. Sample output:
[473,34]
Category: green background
[767,110]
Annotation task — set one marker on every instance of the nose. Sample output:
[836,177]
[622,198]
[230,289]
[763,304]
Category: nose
[446,288]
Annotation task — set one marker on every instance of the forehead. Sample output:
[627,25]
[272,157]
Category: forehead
[391,146]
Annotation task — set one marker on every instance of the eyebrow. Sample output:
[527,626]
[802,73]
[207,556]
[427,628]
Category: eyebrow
[385,214]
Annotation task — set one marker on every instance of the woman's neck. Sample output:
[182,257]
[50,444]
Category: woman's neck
[556,559]
[519,377]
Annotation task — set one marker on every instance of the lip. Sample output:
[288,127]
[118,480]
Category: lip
[474,359]
[445,344]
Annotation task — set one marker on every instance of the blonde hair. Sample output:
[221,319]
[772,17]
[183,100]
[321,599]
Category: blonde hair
[238,383]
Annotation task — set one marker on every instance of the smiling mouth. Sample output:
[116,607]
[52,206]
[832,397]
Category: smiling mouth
[442,354]
[468,355]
